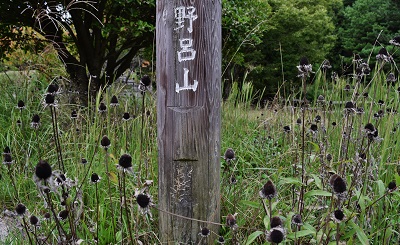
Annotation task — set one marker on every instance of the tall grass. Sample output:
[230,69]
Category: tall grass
[269,144]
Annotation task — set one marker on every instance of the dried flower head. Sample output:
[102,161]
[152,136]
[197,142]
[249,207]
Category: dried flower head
[357,58]
[35,121]
[7,151]
[276,221]
[383,55]
[205,232]
[7,159]
[371,131]
[276,235]
[105,142]
[326,65]
[313,128]
[33,220]
[63,215]
[338,216]
[221,240]
[145,81]
[43,170]
[20,209]
[229,155]
[391,79]
[297,220]
[126,116]
[114,101]
[286,129]
[298,121]
[144,201]
[304,68]
[95,178]
[50,100]
[231,221]
[232,180]
[395,41]
[74,115]
[338,185]
[83,161]
[20,105]
[46,216]
[52,89]
[268,191]
[392,186]
[125,163]
[102,108]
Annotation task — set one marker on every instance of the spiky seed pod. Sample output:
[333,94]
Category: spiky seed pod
[276,221]
[143,200]
[276,235]
[52,89]
[20,209]
[229,155]
[105,142]
[7,159]
[49,99]
[286,129]
[21,105]
[46,216]
[114,101]
[314,128]
[125,161]
[297,220]
[95,178]
[221,240]
[33,220]
[63,215]
[338,216]
[231,221]
[339,186]
[7,151]
[126,116]
[35,121]
[268,191]
[43,170]
[102,107]
[392,186]
[395,41]
[205,232]
[145,81]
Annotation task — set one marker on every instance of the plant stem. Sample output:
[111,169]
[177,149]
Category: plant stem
[126,206]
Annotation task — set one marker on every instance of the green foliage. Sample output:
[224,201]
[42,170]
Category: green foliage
[366,21]
[92,38]
[288,29]
[298,28]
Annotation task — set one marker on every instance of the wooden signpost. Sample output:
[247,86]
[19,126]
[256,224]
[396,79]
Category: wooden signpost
[188,118]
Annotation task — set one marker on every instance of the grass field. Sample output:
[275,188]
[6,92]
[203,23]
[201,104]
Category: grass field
[324,172]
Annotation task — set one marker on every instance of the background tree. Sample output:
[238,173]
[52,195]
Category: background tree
[298,28]
[244,23]
[94,39]
[363,21]
[258,33]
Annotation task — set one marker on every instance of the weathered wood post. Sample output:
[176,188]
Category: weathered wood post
[188,114]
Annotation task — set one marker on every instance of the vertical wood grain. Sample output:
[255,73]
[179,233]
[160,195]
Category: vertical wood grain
[189,122]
